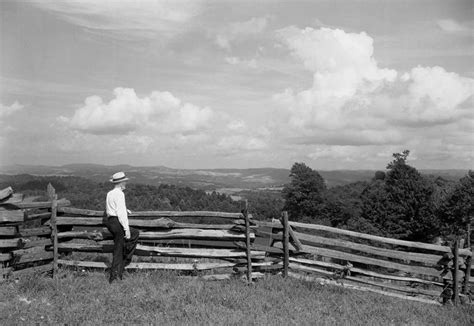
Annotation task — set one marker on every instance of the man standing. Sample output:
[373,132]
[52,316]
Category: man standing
[116,220]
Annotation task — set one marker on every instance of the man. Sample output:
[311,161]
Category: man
[116,220]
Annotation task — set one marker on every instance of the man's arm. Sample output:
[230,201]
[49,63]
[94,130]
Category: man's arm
[123,215]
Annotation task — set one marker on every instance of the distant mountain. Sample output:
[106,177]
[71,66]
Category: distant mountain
[206,179]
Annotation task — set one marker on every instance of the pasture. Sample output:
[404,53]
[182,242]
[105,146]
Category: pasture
[164,298]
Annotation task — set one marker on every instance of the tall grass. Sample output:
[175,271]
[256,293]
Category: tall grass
[165,299]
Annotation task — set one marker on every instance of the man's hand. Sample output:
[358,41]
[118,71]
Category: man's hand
[127,234]
[129,211]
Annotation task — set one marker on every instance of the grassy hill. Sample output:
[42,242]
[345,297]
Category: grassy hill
[162,298]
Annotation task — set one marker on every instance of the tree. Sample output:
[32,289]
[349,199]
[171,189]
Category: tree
[457,210]
[304,195]
[400,206]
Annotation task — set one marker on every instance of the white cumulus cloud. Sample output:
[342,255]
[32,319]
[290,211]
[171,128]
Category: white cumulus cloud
[352,102]
[352,98]
[126,112]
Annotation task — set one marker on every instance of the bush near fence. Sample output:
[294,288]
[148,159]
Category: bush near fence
[39,236]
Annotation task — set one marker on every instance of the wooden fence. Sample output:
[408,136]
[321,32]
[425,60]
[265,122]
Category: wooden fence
[221,245]
[218,245]
[410,270]
[25,239]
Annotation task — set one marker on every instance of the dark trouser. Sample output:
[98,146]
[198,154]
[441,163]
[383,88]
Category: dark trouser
[123,248]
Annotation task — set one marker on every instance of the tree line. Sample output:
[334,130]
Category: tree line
[399,202]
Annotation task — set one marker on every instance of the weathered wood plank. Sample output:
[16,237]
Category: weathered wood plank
[13,199]
[164,223]
[194,234]
[405,289]
[97,235]
[190,252]
[35,232]
[410,244]
[194,243]
[10,243]
[360,288]
[5,193]
[161,251]
[456,273]
[371,261]
[294,239]
[28,243]
[33,256]
[8,231]
[38,216]
[314,240]
[87,212]
[11,216]
[364,272]
[33,270]
[162,235]
[247,242]
[156,266]
[286,244]
[223,277]
[40,204]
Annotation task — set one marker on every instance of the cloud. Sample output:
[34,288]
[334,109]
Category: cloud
[241,31]
[128,18]
[345,74]
[353,103]
[239,138]
[126,112]
[435,96]
[454,27]
[7,110]
[351,93]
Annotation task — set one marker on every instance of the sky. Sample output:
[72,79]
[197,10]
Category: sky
[237,84]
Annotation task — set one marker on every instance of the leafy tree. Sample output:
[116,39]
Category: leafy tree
[457,210]
[343,204]
[304,195]
[400,206]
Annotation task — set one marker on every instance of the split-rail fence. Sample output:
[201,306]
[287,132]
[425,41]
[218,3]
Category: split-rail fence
[38,237]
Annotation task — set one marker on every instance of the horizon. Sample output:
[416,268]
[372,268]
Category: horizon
[216,168]
[338,85]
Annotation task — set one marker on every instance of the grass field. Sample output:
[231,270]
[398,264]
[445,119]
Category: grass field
[162,298]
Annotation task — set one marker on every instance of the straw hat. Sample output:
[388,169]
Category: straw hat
[119,177]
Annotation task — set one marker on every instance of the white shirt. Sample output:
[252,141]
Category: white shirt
[115,206]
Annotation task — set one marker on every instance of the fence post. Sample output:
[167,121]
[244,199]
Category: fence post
[247,243]
[456,272]
[286,249]
[465,289]
[53,197]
